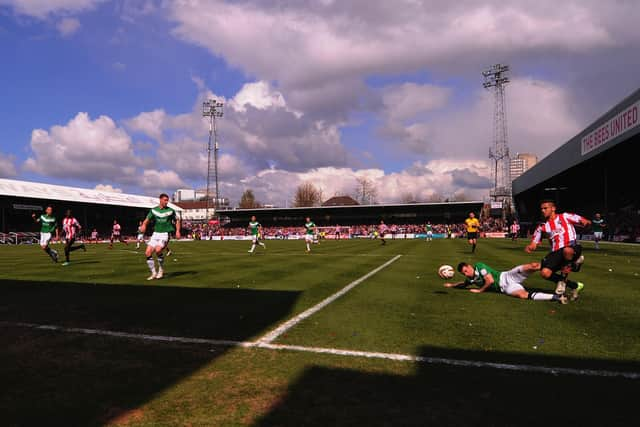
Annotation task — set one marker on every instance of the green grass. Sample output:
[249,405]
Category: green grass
[217,290]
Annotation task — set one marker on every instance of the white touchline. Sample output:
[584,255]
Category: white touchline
[334,351]
[455,362]
[271,336]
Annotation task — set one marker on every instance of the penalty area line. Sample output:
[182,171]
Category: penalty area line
[271,336]
[335,352]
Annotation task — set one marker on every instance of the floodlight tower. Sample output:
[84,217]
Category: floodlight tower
[213,110]
[495,78]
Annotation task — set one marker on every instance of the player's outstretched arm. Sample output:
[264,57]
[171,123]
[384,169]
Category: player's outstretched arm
[456,285]
[143,227]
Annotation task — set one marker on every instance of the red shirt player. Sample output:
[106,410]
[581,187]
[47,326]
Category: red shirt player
[71,228]
[382,230]
[566,252]
[115,234]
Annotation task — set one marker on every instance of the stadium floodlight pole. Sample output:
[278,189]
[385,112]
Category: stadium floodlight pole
[213,110]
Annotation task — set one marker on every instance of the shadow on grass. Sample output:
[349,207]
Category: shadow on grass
[68,379]
[440,395]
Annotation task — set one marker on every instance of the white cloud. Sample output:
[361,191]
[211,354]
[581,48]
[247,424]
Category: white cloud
[93,150]
[43,8]
[409,100]
[442,177]
[68,26]
[539,116]
[297,43]
[258,95]
[108,188]
[156,181]
[7,166]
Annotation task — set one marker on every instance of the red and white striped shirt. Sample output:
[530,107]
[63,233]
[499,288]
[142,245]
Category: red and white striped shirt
[70,227]
[561,230]
[116,229]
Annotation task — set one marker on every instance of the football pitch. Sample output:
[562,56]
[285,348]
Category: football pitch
[355,333]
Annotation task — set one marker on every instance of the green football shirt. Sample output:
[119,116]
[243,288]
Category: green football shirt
[163,219]
[481,270]
[255,228]
[596,225]
[47,223]
[310,226]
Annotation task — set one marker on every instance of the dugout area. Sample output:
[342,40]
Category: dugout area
[587,180]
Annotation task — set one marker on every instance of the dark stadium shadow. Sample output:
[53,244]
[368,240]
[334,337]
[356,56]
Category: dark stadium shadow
[73,379]
[441,292]
[443,395]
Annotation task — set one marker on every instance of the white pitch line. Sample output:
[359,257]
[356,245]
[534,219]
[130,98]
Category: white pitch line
[144,337]
[455,362]
[269,337]
[335,351]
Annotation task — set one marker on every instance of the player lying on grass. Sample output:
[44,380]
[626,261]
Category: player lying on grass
[506,282]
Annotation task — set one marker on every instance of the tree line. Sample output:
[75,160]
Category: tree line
[365,193]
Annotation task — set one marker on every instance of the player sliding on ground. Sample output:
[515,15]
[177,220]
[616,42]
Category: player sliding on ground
[256,233]
[566,252]
[165,222]
[71,228]
[47,227]
[506,282]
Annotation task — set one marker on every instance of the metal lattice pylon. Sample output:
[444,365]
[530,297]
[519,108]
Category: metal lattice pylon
[495,78]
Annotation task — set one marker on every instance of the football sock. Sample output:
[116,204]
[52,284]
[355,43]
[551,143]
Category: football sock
[253,248]
[160,261]
[555,278]
[473,249]
[48,251]
[542,296]
[308,248]
[261,244]
[151,264]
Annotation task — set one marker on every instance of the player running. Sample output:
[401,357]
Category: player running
[473,225]
[597,225]
[382,230]
[115,234]
[566,253]
[71,228]
[310,231]
[256,234]
[515,230]
[140,236]
[94,236]
[506,282]
[164,222]
[47,226]
[429,229]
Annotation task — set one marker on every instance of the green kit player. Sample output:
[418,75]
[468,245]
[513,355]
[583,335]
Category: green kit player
[165,222]
[48,225]
[256,233]
[597,225]
[509,282]
[310,231]
[429,229]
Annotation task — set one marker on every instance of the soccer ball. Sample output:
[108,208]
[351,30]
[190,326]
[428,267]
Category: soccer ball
[446,271]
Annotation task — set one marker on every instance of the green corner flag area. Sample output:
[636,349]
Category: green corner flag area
[352,333]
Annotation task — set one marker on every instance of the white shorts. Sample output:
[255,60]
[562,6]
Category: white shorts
[511,281]
[45,238]
[140,237]
[430,233]
[309,237]
[597,235]
[158,239]
[255,238]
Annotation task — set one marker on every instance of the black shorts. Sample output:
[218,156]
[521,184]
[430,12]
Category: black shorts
[471,235]
[555,261]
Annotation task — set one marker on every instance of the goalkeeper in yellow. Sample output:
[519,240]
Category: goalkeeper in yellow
[473,226]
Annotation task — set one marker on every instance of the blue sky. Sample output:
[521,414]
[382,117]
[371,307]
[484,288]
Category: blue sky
[319,91]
